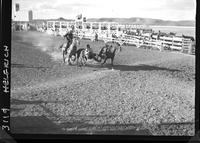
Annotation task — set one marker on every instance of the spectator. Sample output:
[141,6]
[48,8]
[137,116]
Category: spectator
[96,36]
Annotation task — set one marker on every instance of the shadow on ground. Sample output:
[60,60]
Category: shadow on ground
[141,67]
[33,125]
[43,125]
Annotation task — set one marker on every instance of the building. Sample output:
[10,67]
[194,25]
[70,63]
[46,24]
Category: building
[30,15]
[19,13]
[20,17]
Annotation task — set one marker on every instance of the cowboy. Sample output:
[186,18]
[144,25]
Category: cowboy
[69,36]
[89,51]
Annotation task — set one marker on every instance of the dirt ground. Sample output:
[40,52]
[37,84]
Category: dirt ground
[148,93]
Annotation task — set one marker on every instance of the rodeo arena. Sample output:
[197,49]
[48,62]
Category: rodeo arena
[109,78]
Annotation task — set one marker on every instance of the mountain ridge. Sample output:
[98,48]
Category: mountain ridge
[133,20]
[145,21]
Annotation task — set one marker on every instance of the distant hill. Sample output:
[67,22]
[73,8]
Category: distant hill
[58,19]
[134,20]
[146,21]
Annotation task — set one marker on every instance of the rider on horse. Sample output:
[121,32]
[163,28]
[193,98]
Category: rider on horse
[69,36]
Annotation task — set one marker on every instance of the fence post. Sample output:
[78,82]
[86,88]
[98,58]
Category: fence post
[183,46]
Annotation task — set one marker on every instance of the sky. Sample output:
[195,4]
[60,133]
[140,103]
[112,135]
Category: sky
[157,9]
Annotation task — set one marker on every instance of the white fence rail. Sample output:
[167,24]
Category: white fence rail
[173,42]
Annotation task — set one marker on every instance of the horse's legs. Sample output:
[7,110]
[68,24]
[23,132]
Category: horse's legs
[112,59]
[63,56]
[69,58]
[77,59]
[85,60]
[104,61]
[76,56]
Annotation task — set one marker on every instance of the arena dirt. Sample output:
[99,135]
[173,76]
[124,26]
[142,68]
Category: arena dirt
[148,92]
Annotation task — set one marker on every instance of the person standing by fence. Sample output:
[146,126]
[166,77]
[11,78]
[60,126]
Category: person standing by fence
[96,37]
[191,48]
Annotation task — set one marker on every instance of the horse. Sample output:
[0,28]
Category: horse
[109,51]
[70,51]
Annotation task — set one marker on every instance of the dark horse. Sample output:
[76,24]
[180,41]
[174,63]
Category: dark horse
[109,52]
